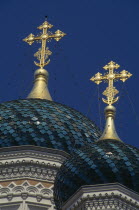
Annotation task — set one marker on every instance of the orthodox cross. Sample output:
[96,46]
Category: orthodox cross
[44,52]
[111,77]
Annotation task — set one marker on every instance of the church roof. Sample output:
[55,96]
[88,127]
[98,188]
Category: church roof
[107,161]
[44,123]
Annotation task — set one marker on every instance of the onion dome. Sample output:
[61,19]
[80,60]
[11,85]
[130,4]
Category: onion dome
[38,120]
[107,161]
[44,123]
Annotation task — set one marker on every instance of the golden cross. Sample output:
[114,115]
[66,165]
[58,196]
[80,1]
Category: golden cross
[44,52]
[111,77]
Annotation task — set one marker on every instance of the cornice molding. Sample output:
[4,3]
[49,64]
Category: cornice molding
[105,196]
[30,162]
[42,151]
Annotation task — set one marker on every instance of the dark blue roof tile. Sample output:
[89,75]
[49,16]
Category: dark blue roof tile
[106,161]
[44,123]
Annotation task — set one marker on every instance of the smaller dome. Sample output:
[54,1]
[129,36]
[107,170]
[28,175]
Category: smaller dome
[107,161]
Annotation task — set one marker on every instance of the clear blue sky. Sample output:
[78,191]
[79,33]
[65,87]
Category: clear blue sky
[98,31]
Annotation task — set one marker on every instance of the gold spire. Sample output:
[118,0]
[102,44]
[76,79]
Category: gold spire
[110,92]
[40,89]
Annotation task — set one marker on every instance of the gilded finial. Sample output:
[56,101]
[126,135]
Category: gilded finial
[110,92]
[45,36]
[40,89]
[111,77]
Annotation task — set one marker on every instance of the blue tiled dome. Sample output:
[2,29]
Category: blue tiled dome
[106,161]
[44,123]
